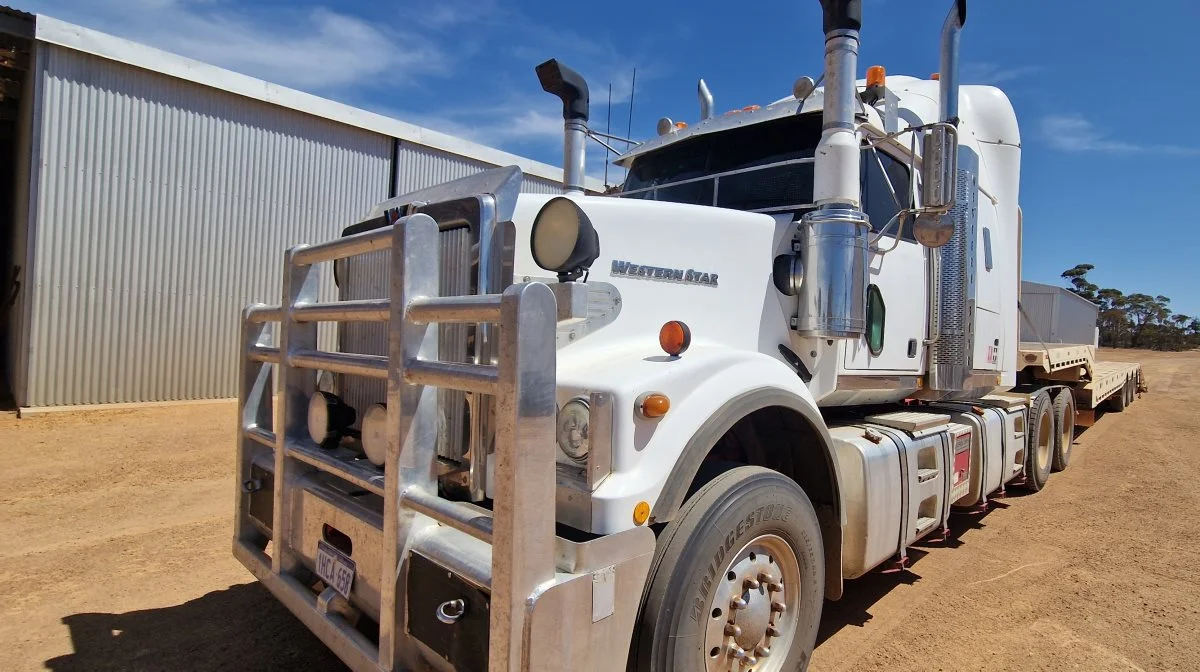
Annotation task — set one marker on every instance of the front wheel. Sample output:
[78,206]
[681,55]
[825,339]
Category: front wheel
[737,582]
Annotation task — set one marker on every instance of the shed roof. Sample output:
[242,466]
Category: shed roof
[54,31]
[1031,287]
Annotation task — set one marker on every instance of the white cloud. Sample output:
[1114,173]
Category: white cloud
[1074,133]
[993,74]
[486,47]
[313,48]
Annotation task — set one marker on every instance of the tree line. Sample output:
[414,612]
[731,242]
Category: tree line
[1135,320]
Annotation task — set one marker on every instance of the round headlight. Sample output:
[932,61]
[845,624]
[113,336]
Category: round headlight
[327,417]
[563,240]
[374,434]
[573,429]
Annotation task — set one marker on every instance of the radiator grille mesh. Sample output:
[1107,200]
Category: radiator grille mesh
[367,276]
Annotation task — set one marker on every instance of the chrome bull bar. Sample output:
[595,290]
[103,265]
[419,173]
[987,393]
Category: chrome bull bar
[512,552]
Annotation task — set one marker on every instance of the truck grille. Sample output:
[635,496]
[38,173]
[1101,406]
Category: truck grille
[367,277]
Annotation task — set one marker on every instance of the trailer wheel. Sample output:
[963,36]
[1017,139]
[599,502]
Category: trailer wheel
[1118,402]
[1039,451]
[737,582]
[1064,424]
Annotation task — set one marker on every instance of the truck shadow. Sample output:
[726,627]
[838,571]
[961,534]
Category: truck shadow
[240,628]
[244,628]
[861,594]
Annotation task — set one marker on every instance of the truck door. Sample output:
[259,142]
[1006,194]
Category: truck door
[897,291]
[988,339]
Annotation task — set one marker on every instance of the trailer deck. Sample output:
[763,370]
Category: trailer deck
[1076,366]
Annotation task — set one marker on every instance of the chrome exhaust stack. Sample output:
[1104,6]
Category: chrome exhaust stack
[833,239]
[949,193]
[572,89]
[948,66]
[706,101]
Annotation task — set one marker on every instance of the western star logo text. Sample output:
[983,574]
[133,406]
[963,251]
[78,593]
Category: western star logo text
[624,269]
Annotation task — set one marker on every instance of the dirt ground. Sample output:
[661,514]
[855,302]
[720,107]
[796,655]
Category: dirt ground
[115,532]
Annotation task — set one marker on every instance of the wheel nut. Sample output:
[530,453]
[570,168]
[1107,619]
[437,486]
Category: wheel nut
[750,584]
[732,630]
[778,607]
[762,651]
[739,652]
[765,577]
[750,661]
[737,603]
[774,587]
[772,631]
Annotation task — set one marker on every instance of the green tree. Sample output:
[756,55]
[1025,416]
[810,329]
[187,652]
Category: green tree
[1079,282]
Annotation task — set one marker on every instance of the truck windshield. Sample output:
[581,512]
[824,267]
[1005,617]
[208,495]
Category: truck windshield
[764,167]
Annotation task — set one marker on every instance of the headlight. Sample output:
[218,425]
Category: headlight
[563,240]
[327,417]
[374,434]
[573,429]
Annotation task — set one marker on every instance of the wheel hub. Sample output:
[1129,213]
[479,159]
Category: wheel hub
[753,608]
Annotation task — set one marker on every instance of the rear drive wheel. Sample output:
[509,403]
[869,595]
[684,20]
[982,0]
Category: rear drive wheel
[1039,451]
[1064,424]
[737,581]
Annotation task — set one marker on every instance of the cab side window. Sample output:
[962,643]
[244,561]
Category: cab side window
[878,201]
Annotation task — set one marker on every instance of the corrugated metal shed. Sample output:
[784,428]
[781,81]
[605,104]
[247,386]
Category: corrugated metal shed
[162,194]
[163,207]
[1057,315]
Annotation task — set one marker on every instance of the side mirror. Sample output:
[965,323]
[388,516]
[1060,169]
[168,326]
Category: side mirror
[939,185]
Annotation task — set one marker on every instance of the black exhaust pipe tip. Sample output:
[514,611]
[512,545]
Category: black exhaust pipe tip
[568,85]
[843,15]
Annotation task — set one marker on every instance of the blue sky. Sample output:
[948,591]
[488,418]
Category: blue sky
[1105,178]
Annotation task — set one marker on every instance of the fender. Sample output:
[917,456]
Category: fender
[711,389]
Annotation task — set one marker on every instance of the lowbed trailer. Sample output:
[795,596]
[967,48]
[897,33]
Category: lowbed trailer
[1092,381]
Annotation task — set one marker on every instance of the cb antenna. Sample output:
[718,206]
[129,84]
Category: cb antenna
[632,90]
[608,130]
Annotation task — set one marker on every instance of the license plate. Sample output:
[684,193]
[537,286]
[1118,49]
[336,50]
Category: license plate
[335,568]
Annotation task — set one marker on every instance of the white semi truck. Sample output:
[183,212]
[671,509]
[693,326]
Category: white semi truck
[656,430]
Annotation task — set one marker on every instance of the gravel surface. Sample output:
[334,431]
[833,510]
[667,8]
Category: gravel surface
[115,533]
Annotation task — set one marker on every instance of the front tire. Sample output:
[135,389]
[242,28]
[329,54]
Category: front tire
[738,574]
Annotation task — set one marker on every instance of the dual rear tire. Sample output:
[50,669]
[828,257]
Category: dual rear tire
[1039,442]
[1064,424]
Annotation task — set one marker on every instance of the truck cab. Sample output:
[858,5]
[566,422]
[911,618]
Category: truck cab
[652,430]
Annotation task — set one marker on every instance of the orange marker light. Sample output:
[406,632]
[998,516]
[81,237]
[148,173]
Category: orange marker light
[936,76]
[750,108]
[653,405]
[674,338]
[876,76]
[681,125]
[641,513]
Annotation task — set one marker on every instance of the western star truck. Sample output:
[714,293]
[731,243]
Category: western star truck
[657,429]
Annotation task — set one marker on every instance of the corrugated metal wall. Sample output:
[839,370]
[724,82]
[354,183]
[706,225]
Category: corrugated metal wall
[1077,319]
[418,167]
[164,208]
[1039,308]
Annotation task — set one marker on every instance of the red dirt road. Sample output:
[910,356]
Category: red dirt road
[115,554]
